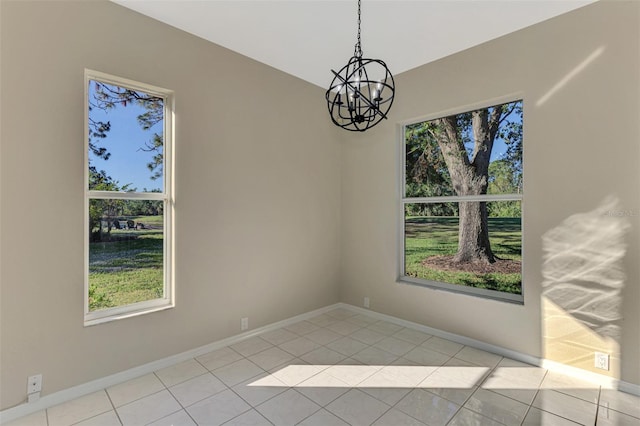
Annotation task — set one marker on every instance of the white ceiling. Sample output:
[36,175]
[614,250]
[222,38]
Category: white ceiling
[308,38]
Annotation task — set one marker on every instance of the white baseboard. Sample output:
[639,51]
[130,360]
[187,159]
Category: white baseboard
[598,379]
[629,388]
[518,356]
[124,376]
[72,393]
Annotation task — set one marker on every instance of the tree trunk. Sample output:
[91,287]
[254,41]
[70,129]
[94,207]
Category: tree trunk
[470,177]
[473,234]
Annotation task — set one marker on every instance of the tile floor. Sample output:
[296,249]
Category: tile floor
[343,368]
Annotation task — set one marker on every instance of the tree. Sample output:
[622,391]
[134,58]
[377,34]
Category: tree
[427,174]
[504,178]
[108,96]
[103,209]
[466,142]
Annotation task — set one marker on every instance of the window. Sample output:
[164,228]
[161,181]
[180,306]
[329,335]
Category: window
[128,198]
[461,204]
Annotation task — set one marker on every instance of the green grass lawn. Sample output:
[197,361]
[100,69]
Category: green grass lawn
[129,268]
[438,236]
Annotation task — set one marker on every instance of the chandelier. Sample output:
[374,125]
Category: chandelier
[361,93]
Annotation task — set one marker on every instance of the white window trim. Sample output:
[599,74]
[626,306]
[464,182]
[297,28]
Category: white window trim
[168,301]
[403,200]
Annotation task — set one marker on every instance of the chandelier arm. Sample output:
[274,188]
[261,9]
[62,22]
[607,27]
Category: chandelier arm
[361,96]
[357,91]
[346,82]
[374,107]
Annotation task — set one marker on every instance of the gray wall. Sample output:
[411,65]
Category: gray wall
[257,192]
[579,77]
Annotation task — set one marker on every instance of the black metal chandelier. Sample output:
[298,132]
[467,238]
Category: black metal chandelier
[361,93]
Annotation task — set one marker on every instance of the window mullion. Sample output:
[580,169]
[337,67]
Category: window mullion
[457,198]
[160,196]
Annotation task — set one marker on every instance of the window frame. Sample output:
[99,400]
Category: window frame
[404,200]
[167,197]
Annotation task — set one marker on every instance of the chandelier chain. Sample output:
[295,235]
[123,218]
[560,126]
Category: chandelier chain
[358,52]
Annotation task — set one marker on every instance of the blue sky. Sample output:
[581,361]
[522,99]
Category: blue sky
[128,163]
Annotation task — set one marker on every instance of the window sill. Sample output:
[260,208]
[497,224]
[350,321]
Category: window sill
[129,311]
[499,296]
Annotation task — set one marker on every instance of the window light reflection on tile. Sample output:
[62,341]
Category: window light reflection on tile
[515,378]
[375,376]
[459,377]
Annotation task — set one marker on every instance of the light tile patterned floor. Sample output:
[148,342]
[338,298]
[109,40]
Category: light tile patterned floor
[343,368]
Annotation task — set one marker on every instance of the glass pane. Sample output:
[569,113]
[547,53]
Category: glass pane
[126,255]
[125,139]
[452,243]
[445,156]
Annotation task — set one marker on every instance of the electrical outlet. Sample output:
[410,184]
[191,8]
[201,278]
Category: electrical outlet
[244,324]
[366,302]
[602,361]
[34,384]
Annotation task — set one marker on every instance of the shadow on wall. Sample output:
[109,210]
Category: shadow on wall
[582,288]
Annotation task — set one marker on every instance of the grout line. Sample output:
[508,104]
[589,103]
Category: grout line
[253,407]
[530,406]
[159,379]
[383,414]
[595,421]
[189,415]
[306,397]
[114,407]
[456,413]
